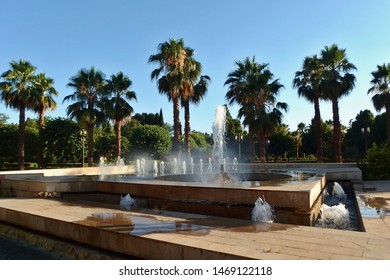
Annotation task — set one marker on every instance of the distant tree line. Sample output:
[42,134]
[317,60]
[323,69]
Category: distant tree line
[101,115]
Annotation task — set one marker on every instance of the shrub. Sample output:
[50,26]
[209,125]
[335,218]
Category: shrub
[377,165]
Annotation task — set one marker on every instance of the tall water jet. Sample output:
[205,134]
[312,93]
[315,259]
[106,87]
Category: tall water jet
[201,165]
[138,165]
[192,165]
[162,168]
[174,166]
[210,167]
[219,129]
[102,167]
[143,162]
[155,168]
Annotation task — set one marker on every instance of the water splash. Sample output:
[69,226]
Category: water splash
[336,216]
[126,202]
[338,192]
[334,213]
[262,211]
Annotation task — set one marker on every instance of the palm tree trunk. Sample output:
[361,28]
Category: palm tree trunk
[118,139]
[41,140]
[317,122]
[21,135]
[336,130]
[388,122]
[187,128]
[90,144]
[176,125]
[262,146]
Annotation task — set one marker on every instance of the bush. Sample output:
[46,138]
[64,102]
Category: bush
[150,141]
[377,166]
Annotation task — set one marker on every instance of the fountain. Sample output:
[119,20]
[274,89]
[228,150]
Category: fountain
[102,167]
[184,167]
[138,167]
[219,130]
[155,168]
[162,168]
[262,211]
[192,164]
[333,212]
[142,168]
[126,202]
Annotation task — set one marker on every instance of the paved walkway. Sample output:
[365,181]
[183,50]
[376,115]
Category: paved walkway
[170,235]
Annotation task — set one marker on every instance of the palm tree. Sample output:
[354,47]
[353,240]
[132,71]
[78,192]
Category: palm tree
[169,75]
[381,90]
[194,88]
[337,81]
[88,85]
[43,92]
[16,92]
[252,87]
[307,82]
[115,103]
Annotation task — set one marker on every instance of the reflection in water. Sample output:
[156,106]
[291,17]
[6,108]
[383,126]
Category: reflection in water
[373,207]
[141,225]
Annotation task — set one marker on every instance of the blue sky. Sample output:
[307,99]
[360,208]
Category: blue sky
[61,37]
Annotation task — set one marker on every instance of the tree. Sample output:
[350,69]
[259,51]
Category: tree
[357,138]
[252,87]
[297,138]
[16,91]
[336,81]
[115,104]
[193,90]
[43,92]
[88,85]
[150,141]
[169,75]
[381,90]
[63,141]
[307,82]
[3,119]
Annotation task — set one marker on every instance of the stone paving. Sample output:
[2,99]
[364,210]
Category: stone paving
[171,235]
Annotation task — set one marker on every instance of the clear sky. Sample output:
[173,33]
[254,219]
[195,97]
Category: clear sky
[61,37]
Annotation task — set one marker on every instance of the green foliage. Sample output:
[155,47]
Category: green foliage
[199,145]
[150,141]
[63,141]
[378,162]
[8,140]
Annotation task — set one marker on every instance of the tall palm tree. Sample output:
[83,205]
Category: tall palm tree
[169,75]
[88,85]
[337,81]
[115,103]
[252,87]
[307,82]
[43,92]
[381,90]
[194,88]
[16,91]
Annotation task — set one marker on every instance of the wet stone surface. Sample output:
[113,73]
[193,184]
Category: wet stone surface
[141,225]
